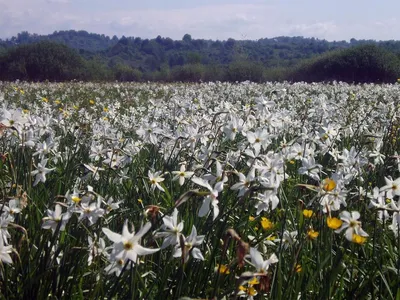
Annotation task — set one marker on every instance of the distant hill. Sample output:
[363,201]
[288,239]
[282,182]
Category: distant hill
[134,58]
[80,40]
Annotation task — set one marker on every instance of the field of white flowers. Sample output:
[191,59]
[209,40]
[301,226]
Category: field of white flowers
[211,191]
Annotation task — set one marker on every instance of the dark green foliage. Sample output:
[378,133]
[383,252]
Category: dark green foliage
[127,73]
[245,70]
[188,73]
[100,58]
[365,63]
[42,61]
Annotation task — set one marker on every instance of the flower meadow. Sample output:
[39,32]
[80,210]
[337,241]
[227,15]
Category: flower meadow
[199,191]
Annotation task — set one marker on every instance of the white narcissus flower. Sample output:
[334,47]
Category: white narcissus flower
[4,234]
[127,245]
[267,201]
[155,179]
[171,230]
[392,187]
[5,252]
[395,226]
[351,224]
[92,212]
[259,263]
[211,198]
[54,218]
[244,182]
[233,127]
[310,168]
[189,246]
[41,172]
[97,247]
[379,202]
[182,174]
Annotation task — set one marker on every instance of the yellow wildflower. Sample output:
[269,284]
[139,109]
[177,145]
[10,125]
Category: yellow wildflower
[92,102]
[334,223]
[254,281]
[312,234]
[250,291]
[298,268]
[358,239]
[222,269]
[328,184]
[251,218]
[76,199]
[266,224]
[308,213]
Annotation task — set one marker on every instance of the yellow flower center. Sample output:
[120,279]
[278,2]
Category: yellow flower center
[128,246]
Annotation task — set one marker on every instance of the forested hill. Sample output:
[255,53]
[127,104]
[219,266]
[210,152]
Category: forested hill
[164,59]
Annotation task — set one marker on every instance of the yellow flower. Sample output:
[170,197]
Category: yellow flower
[298,268]
[140,201]
[76,199]
[266,224]
[58,101]
[358,239]
[251,218]
[312,234]
[250,291]
[92,102]
[105,109]
[22,92]
[222,269]
[308,213]
[25,111]
[254,281]
[271,238]
[292,162]
[44,99]
[333,223]
[76,107]
[328,184]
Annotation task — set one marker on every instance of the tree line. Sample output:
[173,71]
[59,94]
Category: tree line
[188,60]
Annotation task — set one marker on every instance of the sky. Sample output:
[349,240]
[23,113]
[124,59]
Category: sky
[206,19]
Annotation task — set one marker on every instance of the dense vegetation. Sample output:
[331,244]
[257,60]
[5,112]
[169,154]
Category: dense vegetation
[199,191]
[66,55]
